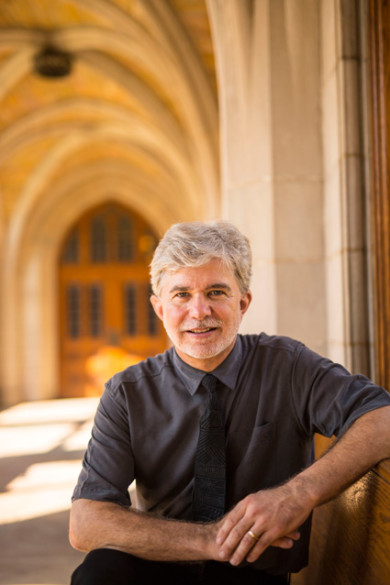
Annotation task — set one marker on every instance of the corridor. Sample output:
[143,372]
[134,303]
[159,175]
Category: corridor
[41,446]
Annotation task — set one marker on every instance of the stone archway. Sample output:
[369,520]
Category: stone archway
[29,323]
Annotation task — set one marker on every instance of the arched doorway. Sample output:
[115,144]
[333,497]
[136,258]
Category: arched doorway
[106,321]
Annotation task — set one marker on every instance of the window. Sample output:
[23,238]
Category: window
[125,239]
[70,254]
[95,310]
[130,310]
[98,240]
[73,311]
[152,319]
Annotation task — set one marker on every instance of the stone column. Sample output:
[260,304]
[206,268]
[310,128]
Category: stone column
[268,65]
[241,43]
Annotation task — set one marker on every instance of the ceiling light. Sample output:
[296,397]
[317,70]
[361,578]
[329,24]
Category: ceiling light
[52,62]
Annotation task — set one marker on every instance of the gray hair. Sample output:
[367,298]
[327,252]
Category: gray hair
[196,243]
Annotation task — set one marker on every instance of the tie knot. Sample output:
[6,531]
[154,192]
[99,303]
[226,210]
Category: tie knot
[209,382]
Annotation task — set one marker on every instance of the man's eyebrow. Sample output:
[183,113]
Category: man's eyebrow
[217,285]
[178,288]
[222,285]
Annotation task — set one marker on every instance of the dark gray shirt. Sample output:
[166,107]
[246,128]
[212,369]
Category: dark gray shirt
[276,395]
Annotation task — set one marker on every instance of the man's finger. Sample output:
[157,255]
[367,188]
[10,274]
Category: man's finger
[229,522]
[288,540]
[285,542]
[249,545]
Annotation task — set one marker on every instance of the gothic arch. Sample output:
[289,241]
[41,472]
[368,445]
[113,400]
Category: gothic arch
[30,319]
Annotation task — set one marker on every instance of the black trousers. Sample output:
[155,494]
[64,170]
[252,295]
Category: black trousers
[112,567]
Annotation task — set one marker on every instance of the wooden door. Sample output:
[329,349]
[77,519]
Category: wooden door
[379,38]
[106,321]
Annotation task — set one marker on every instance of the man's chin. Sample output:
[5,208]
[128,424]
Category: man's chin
[199,351]
[203,352]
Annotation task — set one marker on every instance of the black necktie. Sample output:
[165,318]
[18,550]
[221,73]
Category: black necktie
[210,465]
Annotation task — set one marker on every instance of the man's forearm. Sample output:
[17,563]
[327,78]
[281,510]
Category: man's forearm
[96,524]
[365,444]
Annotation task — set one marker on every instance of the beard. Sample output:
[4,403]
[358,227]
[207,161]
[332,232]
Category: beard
[186,339]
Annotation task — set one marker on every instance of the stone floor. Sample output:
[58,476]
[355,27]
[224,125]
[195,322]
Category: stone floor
[41,445]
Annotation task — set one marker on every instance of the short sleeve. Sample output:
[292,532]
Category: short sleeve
[108,465]
[327,398]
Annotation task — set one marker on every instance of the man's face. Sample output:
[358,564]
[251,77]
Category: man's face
[202,308]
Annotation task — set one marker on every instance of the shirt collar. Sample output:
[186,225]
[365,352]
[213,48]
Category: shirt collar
[226,372]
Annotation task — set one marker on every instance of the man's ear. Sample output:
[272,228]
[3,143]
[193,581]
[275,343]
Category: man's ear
[157,306]
[245,301]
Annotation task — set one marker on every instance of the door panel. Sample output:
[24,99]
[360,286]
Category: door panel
[105,316]
[379,40]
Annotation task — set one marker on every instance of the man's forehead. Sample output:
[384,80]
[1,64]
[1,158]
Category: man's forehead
[212,274]
[214,266]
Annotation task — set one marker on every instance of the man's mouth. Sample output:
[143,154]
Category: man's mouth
[201,331]
[201,328]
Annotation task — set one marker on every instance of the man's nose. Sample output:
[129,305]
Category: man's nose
[200,307]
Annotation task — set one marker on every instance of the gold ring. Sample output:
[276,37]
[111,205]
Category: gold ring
[253,535]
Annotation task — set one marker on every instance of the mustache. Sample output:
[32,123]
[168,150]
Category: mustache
[204,324]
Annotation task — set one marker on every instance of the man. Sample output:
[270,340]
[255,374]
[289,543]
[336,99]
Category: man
[275,395]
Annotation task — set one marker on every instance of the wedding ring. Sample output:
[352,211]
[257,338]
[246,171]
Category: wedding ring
[253,535]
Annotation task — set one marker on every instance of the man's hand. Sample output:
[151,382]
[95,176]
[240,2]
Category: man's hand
[267,518]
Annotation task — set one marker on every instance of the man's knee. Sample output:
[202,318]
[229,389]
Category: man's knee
[103,566]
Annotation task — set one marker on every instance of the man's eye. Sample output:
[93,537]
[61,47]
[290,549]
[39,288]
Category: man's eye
[181,295]
[216,293]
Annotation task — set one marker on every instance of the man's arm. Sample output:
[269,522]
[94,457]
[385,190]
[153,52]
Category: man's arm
[95,524]
[274,513]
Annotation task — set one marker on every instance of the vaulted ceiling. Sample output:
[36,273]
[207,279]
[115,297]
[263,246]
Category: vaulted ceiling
[135,118]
